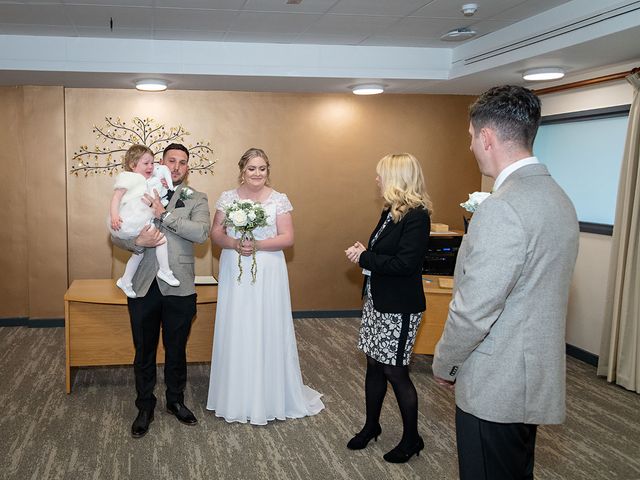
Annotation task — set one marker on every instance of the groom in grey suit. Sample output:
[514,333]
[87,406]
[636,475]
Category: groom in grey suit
[503,346]
[184,221]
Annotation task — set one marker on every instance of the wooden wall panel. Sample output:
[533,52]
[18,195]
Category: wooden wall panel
[323,150]
[33,254]
[14,297]
[43,146]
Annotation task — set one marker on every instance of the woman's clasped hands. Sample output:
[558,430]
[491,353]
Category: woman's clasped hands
[245,247]
[354,251]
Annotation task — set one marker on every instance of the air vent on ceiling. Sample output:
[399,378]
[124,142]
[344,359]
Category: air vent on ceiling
[458,35]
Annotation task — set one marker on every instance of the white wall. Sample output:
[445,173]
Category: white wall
[588,290]
[587,299]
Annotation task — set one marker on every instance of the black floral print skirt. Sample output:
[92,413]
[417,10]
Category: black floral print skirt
[387,337]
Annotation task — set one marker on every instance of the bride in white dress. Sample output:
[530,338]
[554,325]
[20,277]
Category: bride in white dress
[255,372]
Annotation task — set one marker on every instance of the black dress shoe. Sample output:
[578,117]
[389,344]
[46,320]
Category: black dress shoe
[402,454]
[182,413]
[141,424]
[362,439]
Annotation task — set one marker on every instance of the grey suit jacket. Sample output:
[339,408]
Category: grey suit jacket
[504,338]
[185,226]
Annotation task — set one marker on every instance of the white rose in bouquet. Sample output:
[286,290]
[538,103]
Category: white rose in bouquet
[475,199]
[239,218]
[251,216]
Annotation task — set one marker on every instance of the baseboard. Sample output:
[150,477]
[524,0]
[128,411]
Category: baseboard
[582,355]
[571,350]
[59,322]
[14,322]
[45,322]
[327,314]
[32,322]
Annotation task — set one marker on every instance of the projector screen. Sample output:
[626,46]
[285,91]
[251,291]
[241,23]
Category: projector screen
[583,152]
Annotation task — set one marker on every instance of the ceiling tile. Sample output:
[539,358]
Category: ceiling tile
[273,23]
[404,41]
[349,24]
[188,19]
[332,39]
[307,6]
[379,7]
[46,30]
[527,9]
[111,3]
[33,14]
[452,9]
[260,37]
[424,27]
[201,4]
[198,35]
[100,16]
[38,2]
[105,32]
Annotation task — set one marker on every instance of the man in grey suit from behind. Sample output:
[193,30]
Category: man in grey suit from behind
[185,221]
[503,345]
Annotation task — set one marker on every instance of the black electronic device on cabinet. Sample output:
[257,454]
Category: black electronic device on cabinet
[441,254]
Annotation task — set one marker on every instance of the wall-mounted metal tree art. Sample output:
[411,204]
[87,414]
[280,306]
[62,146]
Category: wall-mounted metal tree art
[117,136]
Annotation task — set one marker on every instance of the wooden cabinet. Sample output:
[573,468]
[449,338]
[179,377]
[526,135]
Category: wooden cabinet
[98,332]
[433,319]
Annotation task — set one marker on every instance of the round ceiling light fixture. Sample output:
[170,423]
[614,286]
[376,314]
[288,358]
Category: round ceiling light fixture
[151,85]
[368,89]
[542,74]
[458,34]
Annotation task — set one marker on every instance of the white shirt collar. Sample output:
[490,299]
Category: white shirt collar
[512,168]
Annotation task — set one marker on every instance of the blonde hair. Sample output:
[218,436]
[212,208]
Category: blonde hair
[402,184]
[133,156]
[250,155]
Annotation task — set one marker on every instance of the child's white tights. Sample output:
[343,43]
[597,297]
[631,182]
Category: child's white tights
[164,272]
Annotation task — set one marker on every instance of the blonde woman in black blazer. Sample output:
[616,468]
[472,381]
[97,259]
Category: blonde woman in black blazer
[394,299]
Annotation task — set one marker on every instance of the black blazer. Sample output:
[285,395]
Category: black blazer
[395,262]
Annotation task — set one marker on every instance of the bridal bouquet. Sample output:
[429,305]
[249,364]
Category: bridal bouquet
[475,199]
[245,216]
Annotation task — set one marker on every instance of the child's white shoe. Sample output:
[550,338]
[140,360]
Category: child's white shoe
[168,277]
[127,288]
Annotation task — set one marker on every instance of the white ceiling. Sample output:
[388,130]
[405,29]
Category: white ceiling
[318,45]
[411,23]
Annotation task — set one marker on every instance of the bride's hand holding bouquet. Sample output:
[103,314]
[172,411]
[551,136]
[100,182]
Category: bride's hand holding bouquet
[245,216]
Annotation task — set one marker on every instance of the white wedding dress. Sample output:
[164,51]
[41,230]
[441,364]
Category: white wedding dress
[255,372]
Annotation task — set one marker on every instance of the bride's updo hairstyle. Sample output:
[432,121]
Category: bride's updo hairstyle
[133,155]
[402,184]
[250,155]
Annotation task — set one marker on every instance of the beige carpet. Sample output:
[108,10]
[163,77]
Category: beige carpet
[45,433]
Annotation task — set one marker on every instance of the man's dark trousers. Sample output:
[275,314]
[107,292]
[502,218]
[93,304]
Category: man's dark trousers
[147,314]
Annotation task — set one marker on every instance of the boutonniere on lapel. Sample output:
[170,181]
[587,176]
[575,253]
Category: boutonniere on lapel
[186,193]
[472,204]
[475,199]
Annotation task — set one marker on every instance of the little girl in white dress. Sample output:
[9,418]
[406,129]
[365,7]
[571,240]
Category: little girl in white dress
[130,212]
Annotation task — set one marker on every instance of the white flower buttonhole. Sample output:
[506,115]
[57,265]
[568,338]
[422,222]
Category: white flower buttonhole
[474,201]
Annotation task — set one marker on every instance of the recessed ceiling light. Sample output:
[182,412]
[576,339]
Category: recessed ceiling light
[370,89]
[151,85]
[458,34]
[541,74]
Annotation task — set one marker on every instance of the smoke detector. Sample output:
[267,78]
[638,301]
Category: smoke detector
[469,9]
[458,34]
